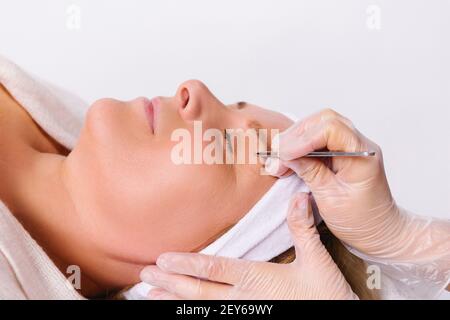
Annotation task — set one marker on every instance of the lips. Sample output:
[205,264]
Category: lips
[150,114]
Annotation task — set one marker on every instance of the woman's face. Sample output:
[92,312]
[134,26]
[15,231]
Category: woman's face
[135,202]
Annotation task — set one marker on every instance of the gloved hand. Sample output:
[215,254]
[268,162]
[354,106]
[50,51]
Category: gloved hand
[353,195]
[313,274]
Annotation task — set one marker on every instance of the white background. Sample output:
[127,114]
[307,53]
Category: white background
[296,56]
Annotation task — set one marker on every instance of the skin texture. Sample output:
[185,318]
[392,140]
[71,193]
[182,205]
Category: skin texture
[116,201]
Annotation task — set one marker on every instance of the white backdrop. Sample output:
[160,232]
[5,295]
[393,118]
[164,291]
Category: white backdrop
[384,64]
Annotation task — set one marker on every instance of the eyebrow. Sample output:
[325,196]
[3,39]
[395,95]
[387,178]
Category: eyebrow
[253,124]
[241,104]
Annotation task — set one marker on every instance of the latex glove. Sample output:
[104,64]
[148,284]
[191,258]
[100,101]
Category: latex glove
[353,195]
[313,275]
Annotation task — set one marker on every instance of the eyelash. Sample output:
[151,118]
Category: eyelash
[228,141]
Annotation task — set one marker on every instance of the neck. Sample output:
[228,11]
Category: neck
[51,220]
[30,171]
[31,163]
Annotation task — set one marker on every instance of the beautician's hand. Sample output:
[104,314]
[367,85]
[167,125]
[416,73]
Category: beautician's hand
[352,194]
[313,274]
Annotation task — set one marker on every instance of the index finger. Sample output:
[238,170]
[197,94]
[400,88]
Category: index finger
[334,135]
[324,115]
[217,269]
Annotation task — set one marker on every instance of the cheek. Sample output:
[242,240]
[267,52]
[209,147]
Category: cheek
[139,203]
[276,120]
[181,211]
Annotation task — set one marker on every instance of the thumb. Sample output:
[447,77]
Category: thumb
[274,167]
[313,172]
[312,258]
[301,222]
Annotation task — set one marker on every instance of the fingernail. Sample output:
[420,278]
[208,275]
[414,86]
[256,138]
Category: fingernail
[271,166]
[147,275]
[163,261]
[275,143]
[302,201]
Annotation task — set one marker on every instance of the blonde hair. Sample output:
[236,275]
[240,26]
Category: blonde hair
[352,267]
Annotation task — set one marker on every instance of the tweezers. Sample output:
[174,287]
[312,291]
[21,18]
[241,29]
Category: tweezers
[322,154]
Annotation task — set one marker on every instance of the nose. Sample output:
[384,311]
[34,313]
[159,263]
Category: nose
[195,100]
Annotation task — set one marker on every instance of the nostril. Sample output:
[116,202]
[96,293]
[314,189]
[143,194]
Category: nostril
[184,97]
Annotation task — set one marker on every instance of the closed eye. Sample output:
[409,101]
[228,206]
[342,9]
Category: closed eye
[229,142]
